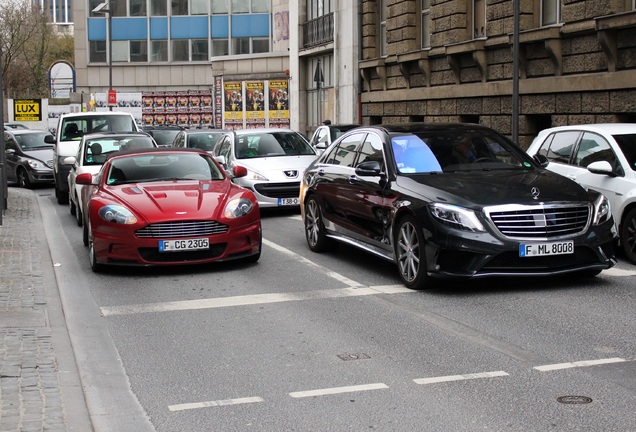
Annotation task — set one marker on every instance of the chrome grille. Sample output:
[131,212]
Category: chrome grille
[541,221]
[182,229]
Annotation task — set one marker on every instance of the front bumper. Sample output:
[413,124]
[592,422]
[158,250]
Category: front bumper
[269,194]
[41,176]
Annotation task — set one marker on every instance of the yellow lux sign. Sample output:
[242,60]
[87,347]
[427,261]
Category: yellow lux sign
[27,109]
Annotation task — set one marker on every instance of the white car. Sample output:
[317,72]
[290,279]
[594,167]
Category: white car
[275,160]
[600,157]
[91,155]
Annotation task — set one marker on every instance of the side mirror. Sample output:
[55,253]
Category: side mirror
[321,145]
[50,139]
[369,169]
[239,171]
[70,160]
[221,159]
[84,179]
[541,160]
[601,167]
[10,151]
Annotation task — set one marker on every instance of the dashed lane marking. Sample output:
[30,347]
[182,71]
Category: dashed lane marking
[338,390]
[583,363]
[253,299]
[218,403]
[449,378]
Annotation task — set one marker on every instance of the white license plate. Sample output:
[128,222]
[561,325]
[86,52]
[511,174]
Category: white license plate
[288,202]
[545,249]
[184,245]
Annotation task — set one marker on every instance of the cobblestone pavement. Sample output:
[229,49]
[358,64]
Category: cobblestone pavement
[39,386]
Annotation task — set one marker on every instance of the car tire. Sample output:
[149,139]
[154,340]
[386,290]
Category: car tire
[71,206]
[23,179]
[61,197]
[254,258]
[85,234]
[409,254]
[315,231]
[78,216]
[628,235]
[92,257]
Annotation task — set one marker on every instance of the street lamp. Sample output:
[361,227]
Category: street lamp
[104,8]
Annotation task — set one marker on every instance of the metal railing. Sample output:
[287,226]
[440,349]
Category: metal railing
[318,31]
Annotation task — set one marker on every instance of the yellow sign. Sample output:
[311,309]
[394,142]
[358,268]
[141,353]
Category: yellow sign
[27,109]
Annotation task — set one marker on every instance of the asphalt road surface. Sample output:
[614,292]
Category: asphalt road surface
[333,342]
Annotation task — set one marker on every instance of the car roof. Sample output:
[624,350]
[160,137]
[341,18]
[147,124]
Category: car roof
[607,128]
[99,135]
[27,131]
[261,130]
[160,150]
[95,114]
[204,131]
[421,126]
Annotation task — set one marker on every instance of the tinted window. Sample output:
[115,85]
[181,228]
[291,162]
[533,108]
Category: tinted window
[371,150]
[412,155]
[593,148]
[345,153]
[562,146]
[627,144]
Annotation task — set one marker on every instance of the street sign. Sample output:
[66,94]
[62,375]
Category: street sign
[27,109]
[112,97]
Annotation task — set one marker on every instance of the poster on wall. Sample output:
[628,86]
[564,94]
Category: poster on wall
[278,104]
[233,105]
[255,104]
[192,109]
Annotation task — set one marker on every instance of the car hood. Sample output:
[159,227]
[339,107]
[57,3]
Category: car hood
[42,154]
[174,200]
[279,168]
[480,189]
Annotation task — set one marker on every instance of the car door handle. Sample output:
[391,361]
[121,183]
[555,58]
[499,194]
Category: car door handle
[353,178]
[321,172]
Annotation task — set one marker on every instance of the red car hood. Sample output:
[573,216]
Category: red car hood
[174,200]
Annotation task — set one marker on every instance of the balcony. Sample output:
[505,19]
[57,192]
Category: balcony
[318,31]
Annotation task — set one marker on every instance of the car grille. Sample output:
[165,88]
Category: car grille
[540,221]
[181,229]
[278,190]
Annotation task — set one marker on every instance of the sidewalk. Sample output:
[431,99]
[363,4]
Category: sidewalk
[40,388]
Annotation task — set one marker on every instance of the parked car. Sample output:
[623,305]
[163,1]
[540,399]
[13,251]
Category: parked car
[204,139]
[13,126]
[275,160]
[326,134]
[164,135]
[28,158]
[453,201]
[70,129]
[167,206]
[600,157]
[90,157]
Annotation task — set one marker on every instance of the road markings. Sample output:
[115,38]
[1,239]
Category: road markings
[618,272]
[449,378]
[218,403]
[254,299]
[338,390]
[327,272]
[583,363]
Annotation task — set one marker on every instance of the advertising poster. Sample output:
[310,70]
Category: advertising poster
[192,108]
[255,104]
[233,104]
[278,104]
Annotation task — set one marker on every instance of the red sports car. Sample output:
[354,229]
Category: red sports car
[168,206]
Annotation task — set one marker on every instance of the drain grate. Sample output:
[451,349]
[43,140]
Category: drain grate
[574,400]
[353,356]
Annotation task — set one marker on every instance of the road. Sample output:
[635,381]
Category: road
[333,342]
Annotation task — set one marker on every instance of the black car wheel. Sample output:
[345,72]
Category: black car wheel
[95,266]
[409,254]
[23,178]
[628,235]
[78,216]
[315,231]
[62,198]
[71,206]
[85,234]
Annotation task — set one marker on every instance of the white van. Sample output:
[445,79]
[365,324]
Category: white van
[70,130]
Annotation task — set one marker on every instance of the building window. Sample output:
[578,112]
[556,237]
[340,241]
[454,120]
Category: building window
[426,23]
[120,51]
[159,51]
[318,8]
[260,45]
[199,50]
[479,19]
[137,7]
[220,47]
[199,7]
[97,51]
[179,7]
[240,45]
[247,45]
[180,50]
[118,8]
[220,6]
[158,7]
[139,51]
[240,6]
[550,12]
[383,40]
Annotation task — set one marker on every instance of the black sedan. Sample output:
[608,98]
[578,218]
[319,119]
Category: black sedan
[453,201]
[29,159]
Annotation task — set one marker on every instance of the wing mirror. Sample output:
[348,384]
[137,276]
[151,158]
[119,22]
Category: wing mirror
[50,139]
[601,167]
[84,179]
[239,171]
[369,169]
[541,160]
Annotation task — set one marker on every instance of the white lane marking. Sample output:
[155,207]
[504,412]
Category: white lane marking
[583,363]
[218,403]
[297,217]
[618,272]
[332,274]
[338,390]
[449,378]
[253,299]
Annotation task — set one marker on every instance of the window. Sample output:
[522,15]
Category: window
[345,153]
[594,148]
[220,47]
[118,8]
[426,24]
[371,150]
[120,51]
[158,7]
[139,51]
[561,147]
[220,6]
[479,19]
[260,45]
[382,41]
[199,50]
[159,51]
[240,45]
[179,7]
[199,7]
[318,8]
[240,6]
[97,52]
[180,50]
[137,7]
[550,12]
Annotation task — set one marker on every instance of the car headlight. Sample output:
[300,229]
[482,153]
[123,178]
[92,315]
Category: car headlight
[253,175]
[602,211]
[238,207]
[456,217]
[35,164]
[117,214]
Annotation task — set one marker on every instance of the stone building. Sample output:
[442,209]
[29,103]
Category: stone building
[452,60]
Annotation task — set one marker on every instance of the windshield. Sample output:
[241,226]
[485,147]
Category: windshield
[450,151]
[73,128]
[204,141]
[32,140]
[162,167]
[627,143]
[164,137]
[95,150]
[272,144]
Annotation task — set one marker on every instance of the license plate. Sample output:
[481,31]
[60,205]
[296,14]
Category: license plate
[288,202]
[545,249]
[184,245]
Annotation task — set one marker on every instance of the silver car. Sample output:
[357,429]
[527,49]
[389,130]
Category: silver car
[275,160]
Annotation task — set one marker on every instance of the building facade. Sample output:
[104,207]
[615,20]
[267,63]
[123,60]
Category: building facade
[59,12]
[227,49]
[324,54]
[452,60]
